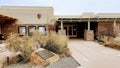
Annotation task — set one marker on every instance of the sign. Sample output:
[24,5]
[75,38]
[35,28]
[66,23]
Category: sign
[39,16]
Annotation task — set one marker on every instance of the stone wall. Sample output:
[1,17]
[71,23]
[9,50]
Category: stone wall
[117,29]
[52,27]
[8,27]
[105,28]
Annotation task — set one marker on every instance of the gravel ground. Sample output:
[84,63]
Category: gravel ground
[68,62]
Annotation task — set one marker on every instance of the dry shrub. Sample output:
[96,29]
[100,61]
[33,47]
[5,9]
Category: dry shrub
[51,41]
[44,39]
[58,44]
[36,35]
[112,42]
[61,41]
[22,44]
[53,35]
[41,38]
[14,41]
[105,39]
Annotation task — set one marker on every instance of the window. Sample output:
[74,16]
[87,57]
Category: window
[31,29]
[21,30]
[42,29]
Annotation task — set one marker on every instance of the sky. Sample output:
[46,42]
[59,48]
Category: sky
[70,7]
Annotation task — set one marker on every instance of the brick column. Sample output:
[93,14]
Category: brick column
[89,35]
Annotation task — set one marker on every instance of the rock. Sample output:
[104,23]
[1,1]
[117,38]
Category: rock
[3,56]
[1,65]
[37,45]
[3,47]
[51,47]
[16,58]
[43,57]
[13,57]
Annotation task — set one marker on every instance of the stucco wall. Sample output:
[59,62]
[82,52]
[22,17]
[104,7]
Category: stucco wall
[28,15]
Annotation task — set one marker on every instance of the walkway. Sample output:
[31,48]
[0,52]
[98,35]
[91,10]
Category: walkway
[92,55]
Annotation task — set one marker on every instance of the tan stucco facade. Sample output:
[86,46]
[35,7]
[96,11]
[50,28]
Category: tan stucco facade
[86,24]
[28,14]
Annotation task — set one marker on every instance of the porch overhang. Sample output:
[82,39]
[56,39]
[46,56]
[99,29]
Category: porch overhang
[86,19]
[4,18]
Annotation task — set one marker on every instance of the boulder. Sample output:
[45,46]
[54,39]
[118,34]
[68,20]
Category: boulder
[1,65]
[3,57]
[3,47]
[43,57]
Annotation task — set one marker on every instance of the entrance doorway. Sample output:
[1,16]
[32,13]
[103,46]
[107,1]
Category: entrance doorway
[71,30]
[77,29]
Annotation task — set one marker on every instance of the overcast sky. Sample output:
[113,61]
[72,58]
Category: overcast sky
[70,7]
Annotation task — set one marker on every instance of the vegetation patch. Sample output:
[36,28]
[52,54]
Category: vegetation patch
[26,45]
[111,42]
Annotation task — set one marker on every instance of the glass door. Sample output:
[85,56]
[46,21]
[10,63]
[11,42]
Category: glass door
[70,31]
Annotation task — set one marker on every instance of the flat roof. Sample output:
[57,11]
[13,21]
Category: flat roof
[90,15]
[23,8]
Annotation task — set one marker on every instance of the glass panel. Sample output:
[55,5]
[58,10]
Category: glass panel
[70,30]
[74,30]
[65,29]
[42,29]
[31,29]
[22,30]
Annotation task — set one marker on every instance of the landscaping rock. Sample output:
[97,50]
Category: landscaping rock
[3,47]
[43,57]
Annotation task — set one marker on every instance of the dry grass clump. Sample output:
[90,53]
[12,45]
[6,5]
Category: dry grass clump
[50,41]
[112,42]
[22,44]
[41,39]
[61,41]
[58,44]
[14,41]
[53,36]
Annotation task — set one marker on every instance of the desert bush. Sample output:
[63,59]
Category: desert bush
[58,44]
[112,42]
[22,44]
[61,41]
[40,38]
[53,36]
[50,41]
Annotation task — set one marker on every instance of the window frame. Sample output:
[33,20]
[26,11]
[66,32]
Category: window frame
[19,30]
[29,30]
[45,29]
